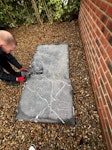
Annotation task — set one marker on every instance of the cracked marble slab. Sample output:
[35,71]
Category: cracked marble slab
[47,97]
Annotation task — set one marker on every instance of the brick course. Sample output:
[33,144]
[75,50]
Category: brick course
[95,22]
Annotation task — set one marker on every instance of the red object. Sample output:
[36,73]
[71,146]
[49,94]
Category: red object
[22,69]
[20,79]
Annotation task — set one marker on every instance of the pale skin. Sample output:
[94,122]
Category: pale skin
[7,42]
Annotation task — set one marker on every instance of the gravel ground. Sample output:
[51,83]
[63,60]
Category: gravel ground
[19,135]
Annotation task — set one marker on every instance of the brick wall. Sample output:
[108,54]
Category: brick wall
[95,21]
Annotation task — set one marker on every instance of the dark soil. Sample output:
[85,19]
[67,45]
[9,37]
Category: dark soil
[19,135]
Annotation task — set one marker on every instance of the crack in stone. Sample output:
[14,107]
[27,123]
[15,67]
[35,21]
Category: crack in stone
[58,117]
[49,105]
[49,94]
[40,113]
[60,90]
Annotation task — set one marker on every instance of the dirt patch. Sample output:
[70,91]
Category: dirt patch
[19,135]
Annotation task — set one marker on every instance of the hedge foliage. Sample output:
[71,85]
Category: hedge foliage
[16,12]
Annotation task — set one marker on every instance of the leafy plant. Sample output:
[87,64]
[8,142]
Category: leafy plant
[16,12]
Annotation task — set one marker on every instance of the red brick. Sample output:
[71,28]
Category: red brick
[104,41]
[110,1]
[98,24]
[94,45]
[109,77]
[103,86]
[92,65]
[103,6]
[102,121]
[97,51]
[85,6]
[109,103]
[98,3]
[98,33]
[102,50]
[97,62]
[103,29]
[102,117]
[102,96]
[99,112]
[109,24]
[93,33]
[93,8]
[88,2]
[103,75]
[98,13]
[97,70]
[107,34]
[104,134]
[93,78]
[109,91]
[96,101]
[109,10]
[93,1]
[107,139]
[108,128]
[86,10]
[104,18]
[85,1]
[94,17]
[97,42]
[109,123]
[103,64]
[109,116]
[109,65]
[97,91]
[109,38]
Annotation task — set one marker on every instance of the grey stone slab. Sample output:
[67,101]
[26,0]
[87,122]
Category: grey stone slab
[47,97]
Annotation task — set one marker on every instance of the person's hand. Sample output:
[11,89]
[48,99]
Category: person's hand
[24,72]
[20,79]
[23,69]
